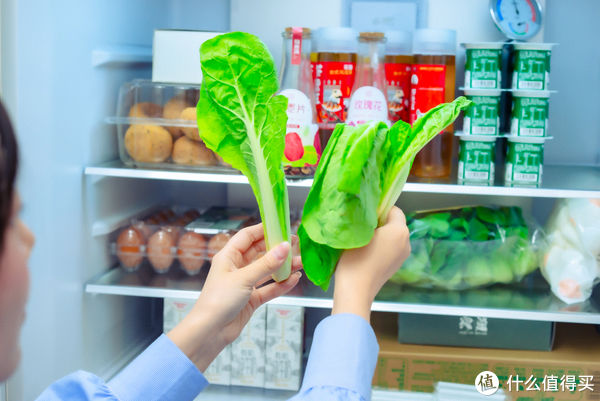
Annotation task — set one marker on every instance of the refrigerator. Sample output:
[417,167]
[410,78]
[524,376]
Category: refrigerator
[62,64]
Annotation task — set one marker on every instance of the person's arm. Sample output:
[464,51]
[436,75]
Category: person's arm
[344,351]
[170,368]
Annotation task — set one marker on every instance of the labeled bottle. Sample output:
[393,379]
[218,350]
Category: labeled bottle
[334,64]
[367,101]
[398,64]
[433,82]
[302,145]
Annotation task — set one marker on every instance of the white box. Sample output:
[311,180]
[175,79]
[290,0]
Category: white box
[219,371]
[174,310]
[176,56]
[285,326]
[248,352]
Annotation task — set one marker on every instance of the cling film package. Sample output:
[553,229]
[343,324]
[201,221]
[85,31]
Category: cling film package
[468,247]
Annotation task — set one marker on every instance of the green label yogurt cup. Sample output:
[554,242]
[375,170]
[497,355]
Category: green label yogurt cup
[482,66]
[529,115]
[482,117]
[476,158]
[524,161]
[531,66]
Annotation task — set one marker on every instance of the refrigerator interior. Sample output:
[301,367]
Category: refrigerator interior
[62,65]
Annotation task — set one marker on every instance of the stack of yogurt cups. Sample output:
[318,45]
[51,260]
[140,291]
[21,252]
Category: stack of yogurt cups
[529,113]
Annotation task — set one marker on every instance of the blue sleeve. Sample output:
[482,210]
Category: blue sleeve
[161,372]
[341,362]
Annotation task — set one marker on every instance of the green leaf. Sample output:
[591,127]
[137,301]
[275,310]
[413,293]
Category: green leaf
[489,215]
[241,120]
[477,230]
[319,260]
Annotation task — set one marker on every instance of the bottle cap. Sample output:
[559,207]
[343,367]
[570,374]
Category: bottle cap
[434,41]
[335,40]
[398,42]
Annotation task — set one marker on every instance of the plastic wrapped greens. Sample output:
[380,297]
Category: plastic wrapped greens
[468,247]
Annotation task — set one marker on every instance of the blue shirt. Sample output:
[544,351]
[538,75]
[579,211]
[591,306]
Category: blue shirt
[340,367]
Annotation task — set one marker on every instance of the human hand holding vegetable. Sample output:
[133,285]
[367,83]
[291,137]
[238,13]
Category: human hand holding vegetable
[361,272]
[231,294]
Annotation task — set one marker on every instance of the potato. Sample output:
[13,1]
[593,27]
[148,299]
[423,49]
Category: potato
[148,143]
[191,132]
[145,110]
[192,153]
[172,111]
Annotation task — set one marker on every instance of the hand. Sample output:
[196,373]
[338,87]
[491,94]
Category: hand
[361,272]
[232,292]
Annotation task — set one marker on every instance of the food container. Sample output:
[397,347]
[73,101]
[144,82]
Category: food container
[529,115]
[468,247]
[483,117]
[482,65]
[476,158]
[177,236]
[157,128]
[531,67]
[524,161]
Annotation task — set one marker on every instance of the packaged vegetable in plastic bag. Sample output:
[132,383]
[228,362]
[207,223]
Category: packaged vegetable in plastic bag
[468,247]
[571,263]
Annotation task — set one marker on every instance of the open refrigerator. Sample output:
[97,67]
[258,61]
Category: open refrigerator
[62,66]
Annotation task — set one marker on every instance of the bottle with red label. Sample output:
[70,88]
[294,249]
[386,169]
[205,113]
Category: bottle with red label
[398,63]
[433,82]
[302,145]
[368,101]
[333,67]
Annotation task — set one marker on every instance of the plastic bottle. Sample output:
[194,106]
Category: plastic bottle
[302,146]
[368,102]
[398,63]
[433,82]
[334,64]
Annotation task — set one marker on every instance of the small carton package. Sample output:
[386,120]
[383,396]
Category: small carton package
[174,310]
[284,347]
[248,352]
[219,371]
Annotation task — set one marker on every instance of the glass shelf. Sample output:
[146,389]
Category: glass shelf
[529,300]
[560,181]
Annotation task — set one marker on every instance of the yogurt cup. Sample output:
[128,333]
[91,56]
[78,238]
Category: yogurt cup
[524,161]
[531,66]
[529,115]
[476,158]
[482,65]
[483,117]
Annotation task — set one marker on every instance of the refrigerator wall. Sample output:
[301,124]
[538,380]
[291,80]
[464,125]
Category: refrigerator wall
[62,66]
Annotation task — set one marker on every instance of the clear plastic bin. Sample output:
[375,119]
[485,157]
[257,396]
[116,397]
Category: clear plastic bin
[177,236]
[157,128]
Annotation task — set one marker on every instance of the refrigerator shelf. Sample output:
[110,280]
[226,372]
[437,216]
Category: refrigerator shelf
[529,300]
[560,181]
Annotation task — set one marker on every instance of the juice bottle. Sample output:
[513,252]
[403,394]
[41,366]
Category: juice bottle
[367,101]
[398,63]
[432,82]
[333,68]
[302,146]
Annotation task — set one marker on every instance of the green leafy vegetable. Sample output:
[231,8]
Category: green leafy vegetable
[359,178]
[241,120]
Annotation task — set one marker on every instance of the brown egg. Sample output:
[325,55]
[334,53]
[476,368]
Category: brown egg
[160,250]
[192,214]
[191,251]
[129,248]
[144,227]
[217,242]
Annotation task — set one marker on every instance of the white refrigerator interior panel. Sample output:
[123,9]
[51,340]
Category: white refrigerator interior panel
[268,18]
[369,16]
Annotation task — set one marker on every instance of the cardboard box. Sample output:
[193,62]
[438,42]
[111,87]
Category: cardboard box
[285,327]
[219,371]
[248,352]
[176,55]
[472,331]
[418,367]
[174,310]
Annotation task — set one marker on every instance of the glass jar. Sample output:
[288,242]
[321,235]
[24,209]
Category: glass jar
[433,82]
[302,145]
[367,101]
[334,64]
[398,63]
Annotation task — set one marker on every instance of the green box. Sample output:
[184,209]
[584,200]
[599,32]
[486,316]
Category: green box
[471,331]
